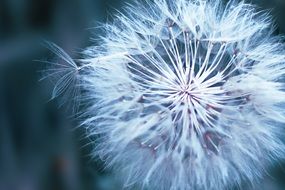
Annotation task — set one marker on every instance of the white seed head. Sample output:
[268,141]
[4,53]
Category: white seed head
[187,94]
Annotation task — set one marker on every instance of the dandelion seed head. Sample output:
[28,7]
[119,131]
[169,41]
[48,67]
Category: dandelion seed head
[186,94]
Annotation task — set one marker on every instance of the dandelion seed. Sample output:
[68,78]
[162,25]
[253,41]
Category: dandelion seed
[187,94]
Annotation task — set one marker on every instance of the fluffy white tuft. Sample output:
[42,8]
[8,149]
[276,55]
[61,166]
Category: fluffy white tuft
[187,94]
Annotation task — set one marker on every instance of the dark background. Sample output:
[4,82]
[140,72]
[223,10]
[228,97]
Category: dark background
[40,149]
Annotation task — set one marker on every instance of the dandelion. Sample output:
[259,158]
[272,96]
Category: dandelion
[186,94]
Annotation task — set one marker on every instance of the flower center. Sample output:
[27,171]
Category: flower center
[183,80]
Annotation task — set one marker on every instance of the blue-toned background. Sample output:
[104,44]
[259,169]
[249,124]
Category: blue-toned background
[40,149]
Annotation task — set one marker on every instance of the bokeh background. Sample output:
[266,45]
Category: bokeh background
[40,146]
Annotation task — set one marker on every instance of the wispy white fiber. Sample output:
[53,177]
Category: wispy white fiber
[186,94]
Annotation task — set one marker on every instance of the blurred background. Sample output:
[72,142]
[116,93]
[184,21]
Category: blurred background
[40,149]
